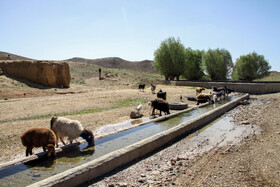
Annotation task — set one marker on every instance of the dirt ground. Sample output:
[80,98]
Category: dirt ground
[254,161]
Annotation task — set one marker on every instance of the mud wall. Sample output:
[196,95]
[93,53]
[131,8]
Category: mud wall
[247,87]
[55,74]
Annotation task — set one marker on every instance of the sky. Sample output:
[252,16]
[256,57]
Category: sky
[134,29]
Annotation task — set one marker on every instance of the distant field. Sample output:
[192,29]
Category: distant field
[273,76]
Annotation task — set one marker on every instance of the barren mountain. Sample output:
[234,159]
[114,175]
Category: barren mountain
[115,62]
[110,62]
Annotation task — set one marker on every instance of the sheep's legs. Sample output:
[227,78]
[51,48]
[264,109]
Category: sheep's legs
[62,140]
[153,113]
[28,151]
[56,140]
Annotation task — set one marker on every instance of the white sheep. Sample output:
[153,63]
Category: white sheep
[63,127]
[139,107]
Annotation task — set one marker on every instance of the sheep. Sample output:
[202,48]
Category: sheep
[72,129]
[203,98]
[141,87]
[153,88]
[219,95]
[228,90]
[161,94]
[215,89]
[39,137]
[199,90]
[139,107]
[160,105]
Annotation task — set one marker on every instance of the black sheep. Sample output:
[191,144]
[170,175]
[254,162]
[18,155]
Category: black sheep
[161,94]
[160,105]
[228,90]
[141,87]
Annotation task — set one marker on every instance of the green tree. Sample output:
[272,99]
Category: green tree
[170,58]
[193,65]
[217,63]
[250,67]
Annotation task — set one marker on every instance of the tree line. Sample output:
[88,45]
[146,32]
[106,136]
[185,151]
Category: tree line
[173,60]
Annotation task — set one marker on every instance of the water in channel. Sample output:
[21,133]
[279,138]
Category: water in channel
[33,171]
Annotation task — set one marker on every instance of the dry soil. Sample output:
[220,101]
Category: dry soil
[253,161]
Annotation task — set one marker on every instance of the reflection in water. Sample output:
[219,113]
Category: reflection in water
[25,174]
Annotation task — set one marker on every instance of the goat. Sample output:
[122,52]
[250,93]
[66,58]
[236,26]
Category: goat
[39,137]
[161,94]
[203,98]
[72,129]
[199,90]
[160,105]
[141,87]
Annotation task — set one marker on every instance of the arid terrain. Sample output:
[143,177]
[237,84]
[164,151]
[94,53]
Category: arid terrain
[252,161]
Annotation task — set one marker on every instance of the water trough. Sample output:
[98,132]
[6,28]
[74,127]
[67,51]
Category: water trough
[80,164]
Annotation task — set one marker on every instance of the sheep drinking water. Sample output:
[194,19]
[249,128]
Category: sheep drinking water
[203,98]
[72,129]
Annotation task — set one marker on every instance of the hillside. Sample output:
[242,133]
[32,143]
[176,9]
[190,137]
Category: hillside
[273,76]
[115,62]
[12,56]
[110,62]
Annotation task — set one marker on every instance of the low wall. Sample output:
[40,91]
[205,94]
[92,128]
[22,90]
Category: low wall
[243,87]
[47,73]
[111,161]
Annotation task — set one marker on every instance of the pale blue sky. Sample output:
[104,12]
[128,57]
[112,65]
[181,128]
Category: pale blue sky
[134,29]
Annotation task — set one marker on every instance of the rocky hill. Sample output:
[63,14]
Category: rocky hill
[115,62]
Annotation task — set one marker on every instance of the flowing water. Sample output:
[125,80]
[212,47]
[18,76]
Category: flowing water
[33,171]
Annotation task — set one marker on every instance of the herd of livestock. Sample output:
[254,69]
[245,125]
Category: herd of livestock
[61,127]
[162,105]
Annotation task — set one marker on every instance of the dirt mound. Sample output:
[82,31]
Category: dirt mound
[43,72]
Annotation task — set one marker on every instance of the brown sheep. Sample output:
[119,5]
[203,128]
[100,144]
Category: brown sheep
[203,98]
[199,90]
[39,137]
[160,105]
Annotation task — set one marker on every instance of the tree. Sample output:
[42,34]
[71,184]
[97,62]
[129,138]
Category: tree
[193,65]
[217,63]
[250,67]
[170,58]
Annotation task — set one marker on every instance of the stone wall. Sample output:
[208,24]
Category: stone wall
[243,87]
[48,73]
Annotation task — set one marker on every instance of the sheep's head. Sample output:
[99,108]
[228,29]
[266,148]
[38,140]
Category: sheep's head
[51,150]
[88,136]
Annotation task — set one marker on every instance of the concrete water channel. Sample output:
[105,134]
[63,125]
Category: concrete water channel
[54,171]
